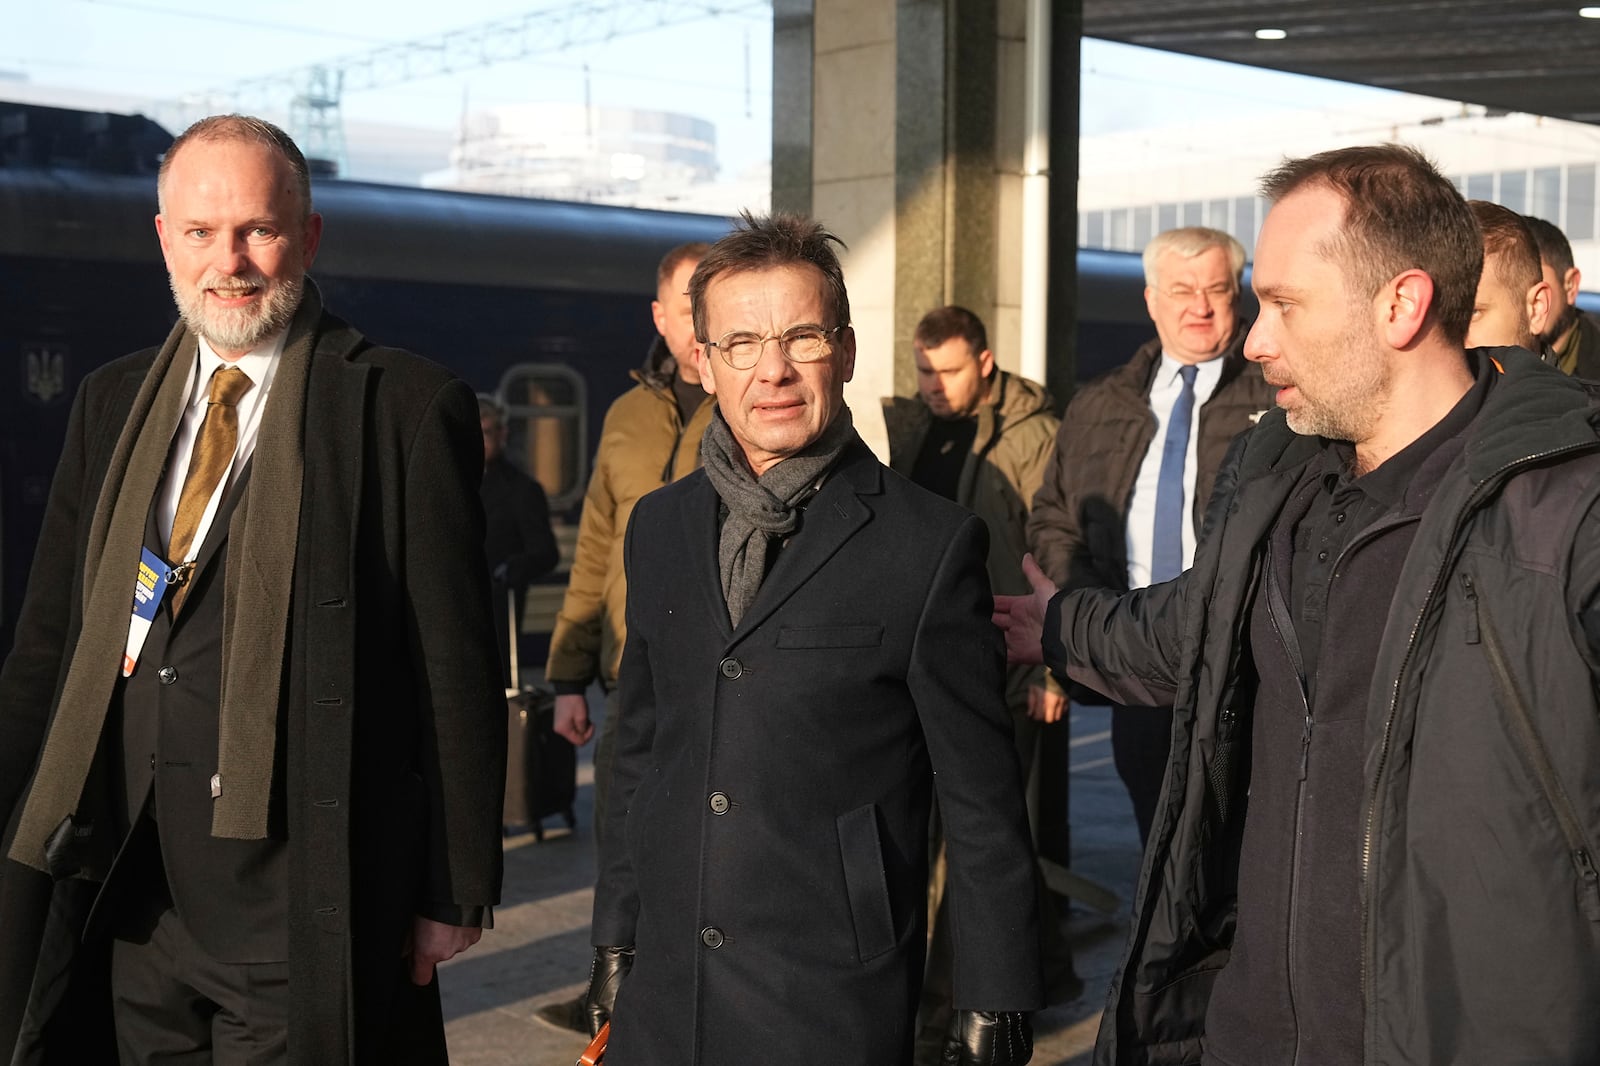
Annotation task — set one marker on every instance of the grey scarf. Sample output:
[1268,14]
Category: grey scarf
[766,509]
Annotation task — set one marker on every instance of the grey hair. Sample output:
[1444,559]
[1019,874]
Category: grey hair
[1190,241]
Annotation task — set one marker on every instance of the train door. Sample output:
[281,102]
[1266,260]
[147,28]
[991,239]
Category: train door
[547,429]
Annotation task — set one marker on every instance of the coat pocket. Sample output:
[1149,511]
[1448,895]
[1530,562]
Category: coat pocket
[862,853]
[862,636]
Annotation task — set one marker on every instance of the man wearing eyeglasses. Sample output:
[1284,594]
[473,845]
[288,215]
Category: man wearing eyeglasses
[809,656]
[1137,455]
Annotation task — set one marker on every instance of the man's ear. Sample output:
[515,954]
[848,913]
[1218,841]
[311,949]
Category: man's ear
[1402,307]
[658,315]
[703,361]
[1572,282]
[1540,300]
[985,363]
[164,238]
[313,239]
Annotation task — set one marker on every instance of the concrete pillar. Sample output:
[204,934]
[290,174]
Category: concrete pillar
[1066,29]
[898,124]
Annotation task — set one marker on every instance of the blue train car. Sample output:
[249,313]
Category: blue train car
[544,303]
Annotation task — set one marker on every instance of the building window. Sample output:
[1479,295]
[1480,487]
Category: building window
[1166,217]
[1244,221]
[1480,186]
[1544,200]
[1117,235]
[1514,190]
[1143,230]
[1580,202]
[1095,234]
[1194,213]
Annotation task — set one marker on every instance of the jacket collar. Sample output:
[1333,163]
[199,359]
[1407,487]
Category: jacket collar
[1532,410]
[659,366]
[1011,400]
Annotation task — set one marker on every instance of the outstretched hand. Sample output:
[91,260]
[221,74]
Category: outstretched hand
[1021,618]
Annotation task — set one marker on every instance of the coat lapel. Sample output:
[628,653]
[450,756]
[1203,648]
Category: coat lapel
[702,526]
[831,518]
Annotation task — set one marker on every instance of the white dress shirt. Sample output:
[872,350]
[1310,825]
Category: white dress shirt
[1164,392]
[260,366]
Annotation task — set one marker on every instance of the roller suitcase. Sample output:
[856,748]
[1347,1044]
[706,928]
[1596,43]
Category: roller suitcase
[541,766]
[546,763]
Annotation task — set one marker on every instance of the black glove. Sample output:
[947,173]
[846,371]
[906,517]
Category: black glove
[606,972]
[988,1038]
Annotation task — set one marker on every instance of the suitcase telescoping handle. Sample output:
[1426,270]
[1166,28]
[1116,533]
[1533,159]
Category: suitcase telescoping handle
[514,682]
[595,1053]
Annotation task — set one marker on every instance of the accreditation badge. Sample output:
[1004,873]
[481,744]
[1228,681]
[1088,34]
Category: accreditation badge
[148,588]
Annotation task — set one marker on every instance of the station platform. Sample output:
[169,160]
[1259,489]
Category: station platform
[538,952]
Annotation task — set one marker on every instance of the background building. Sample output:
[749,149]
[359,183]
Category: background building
[1136,183]
[565,151]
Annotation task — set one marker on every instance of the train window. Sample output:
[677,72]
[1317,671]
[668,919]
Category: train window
[546,405]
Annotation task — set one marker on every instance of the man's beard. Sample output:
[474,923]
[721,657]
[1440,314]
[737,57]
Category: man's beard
[1558,328]
[1351,390]
[243,329]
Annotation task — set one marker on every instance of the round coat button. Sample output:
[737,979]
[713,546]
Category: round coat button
[711,937]
[719,803]
[731,667]
[167,675]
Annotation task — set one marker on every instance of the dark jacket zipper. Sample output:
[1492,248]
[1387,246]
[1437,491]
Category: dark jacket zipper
[1278,612]
[1370,830]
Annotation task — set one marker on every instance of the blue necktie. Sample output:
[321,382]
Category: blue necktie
[1166,561]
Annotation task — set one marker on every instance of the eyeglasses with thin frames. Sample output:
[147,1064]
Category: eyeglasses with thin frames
[804,343]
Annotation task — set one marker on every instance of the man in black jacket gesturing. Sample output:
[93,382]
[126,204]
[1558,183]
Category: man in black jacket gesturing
[1375,842]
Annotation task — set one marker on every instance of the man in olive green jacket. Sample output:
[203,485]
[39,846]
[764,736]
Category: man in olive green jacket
[982,437]
[651,437]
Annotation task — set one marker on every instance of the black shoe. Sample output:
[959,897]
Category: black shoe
[568,1014]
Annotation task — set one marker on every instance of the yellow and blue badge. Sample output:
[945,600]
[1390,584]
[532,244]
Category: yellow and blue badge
[148,589]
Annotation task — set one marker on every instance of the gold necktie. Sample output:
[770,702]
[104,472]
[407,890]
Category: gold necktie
[213,451]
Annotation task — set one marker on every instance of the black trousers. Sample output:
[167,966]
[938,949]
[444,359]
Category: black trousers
[1141,740]
[172,1002]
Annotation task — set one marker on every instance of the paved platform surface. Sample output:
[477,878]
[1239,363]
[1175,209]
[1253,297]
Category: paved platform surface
[538,951]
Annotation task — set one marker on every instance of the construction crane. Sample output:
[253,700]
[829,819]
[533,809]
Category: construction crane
[314,93]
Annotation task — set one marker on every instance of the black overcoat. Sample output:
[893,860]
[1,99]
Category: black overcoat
[392,720]
[768,852]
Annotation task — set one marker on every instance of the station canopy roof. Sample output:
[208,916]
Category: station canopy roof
[1535,56]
